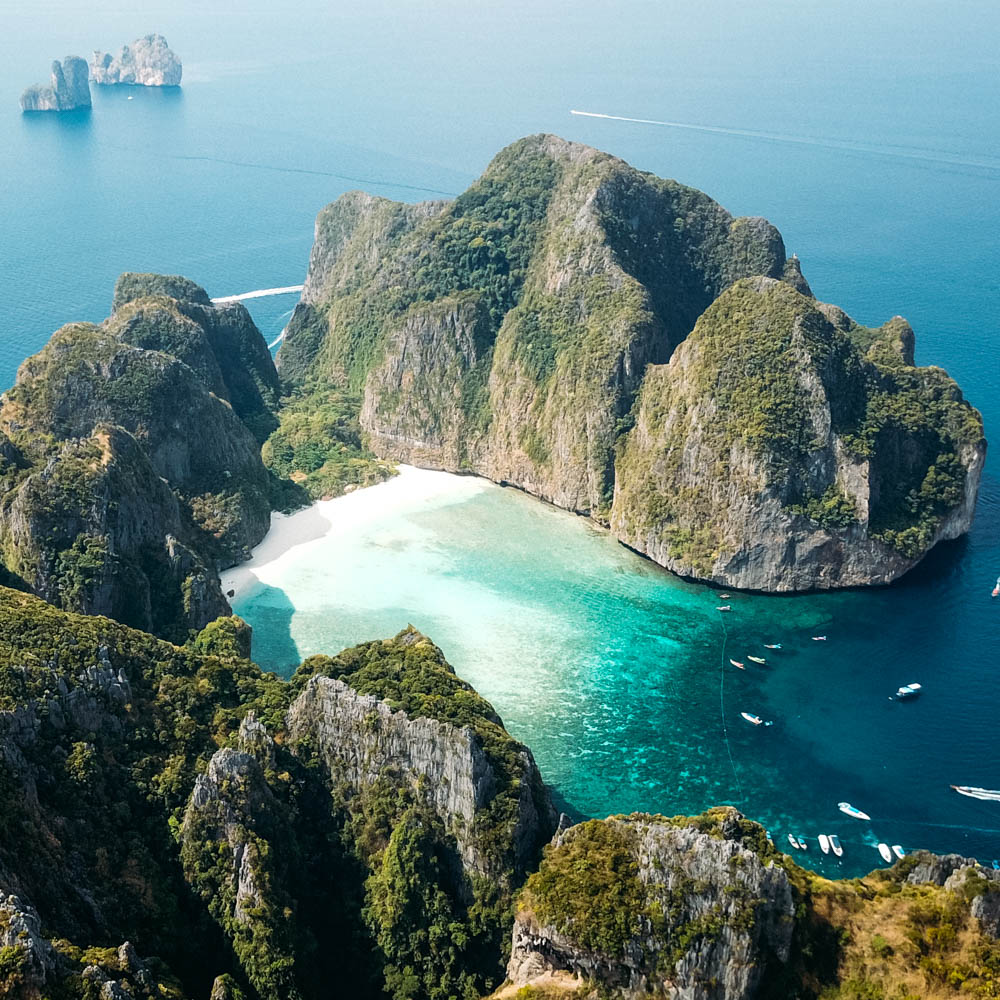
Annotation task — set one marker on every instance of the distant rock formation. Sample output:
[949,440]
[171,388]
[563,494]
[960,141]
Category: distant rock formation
[69,90]
[148,62]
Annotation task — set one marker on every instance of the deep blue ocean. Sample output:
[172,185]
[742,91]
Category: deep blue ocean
[868,133]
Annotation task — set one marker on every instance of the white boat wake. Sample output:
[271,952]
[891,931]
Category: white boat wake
[277,340]
[985,794]
[934,156]
[260,293]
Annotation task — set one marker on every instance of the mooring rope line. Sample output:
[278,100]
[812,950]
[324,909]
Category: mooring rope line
[722,703]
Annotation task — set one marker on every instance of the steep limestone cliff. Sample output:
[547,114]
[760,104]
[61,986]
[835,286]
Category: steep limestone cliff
[131,472]
[148,61]
[786,448]
[683,908]
[68,91]
[519,331]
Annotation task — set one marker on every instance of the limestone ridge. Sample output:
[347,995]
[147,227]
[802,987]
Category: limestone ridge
[147,61]
[130,458]
[785,448]
[522,331]
[68,91]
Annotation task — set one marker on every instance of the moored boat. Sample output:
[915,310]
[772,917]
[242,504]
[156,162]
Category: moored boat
[802,843]
[883,849]
[848,810]
[756,659]
[723,607]
[755,719]
[737,664]
[824,843]
[793,841]
[986,794]
[907,691]
[819,638]
[835,845]
[898,851]
[996,589]
[772,645]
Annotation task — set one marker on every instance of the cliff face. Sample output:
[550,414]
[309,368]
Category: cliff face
[68,91]
[148,61]
[519,331]
[697,914]
[785,448]
[129,475]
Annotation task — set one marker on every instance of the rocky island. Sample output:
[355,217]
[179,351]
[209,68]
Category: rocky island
[621,346]
[147,62]
[68,91]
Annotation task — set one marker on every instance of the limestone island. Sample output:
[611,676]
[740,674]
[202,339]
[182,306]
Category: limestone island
[68,91]
[147,62]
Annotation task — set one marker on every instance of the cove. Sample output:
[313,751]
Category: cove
[617,675]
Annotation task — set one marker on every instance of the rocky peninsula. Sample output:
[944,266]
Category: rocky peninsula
[621,346]
[69,89]
[148,61]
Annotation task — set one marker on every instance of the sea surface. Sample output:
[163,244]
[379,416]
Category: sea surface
[868,133]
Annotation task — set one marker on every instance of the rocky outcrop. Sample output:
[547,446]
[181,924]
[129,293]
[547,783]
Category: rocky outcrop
[780,451]
[68,91]
[520,331]
[132,467]
[147,61]
[698,912]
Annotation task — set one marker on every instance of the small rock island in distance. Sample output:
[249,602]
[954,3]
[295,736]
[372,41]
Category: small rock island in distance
[68,91]
[147,62]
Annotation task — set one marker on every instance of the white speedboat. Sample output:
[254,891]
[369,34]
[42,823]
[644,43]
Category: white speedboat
[793,842]
[907,691]
[835,845]
[848,810]
[755,719]
[986,794]
[898,851]
[824,843]
[883,849]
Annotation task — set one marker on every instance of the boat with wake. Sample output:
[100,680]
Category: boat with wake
[985,794]
[848,810]
[819,638]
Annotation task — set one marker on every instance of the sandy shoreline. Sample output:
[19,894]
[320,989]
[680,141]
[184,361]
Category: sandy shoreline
[282,545]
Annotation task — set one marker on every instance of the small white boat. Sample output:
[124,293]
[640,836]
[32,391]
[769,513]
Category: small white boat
[898,851]
[848,810]
[819,638]
[986,794]
[737,664]
[883,849]
[996,589]
[906,691]
[723,607]
[793,842]
[835,845]
[824,843]
[723,597]
[802,843]
[772,645]
[757,659]
[754,719]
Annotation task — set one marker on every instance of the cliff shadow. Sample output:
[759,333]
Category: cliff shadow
[272,646]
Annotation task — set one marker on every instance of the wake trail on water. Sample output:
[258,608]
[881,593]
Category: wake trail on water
[259,293]
[722,703]
[851,146]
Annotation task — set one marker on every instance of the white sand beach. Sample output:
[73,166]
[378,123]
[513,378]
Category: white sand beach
[344,515]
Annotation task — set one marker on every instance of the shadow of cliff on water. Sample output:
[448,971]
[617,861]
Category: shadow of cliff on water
[273,647]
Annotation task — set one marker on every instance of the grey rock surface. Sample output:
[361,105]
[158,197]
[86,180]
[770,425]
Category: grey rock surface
[69,89]
[148,61]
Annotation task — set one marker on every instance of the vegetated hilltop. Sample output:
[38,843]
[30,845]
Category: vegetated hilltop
[176,823]
[366,823]
[529,331]
[130,457]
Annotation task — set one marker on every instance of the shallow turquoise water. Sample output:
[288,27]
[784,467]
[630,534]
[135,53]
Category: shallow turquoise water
[280,114]
[616,673]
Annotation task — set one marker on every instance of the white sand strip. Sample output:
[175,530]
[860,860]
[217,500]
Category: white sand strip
[412,489]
